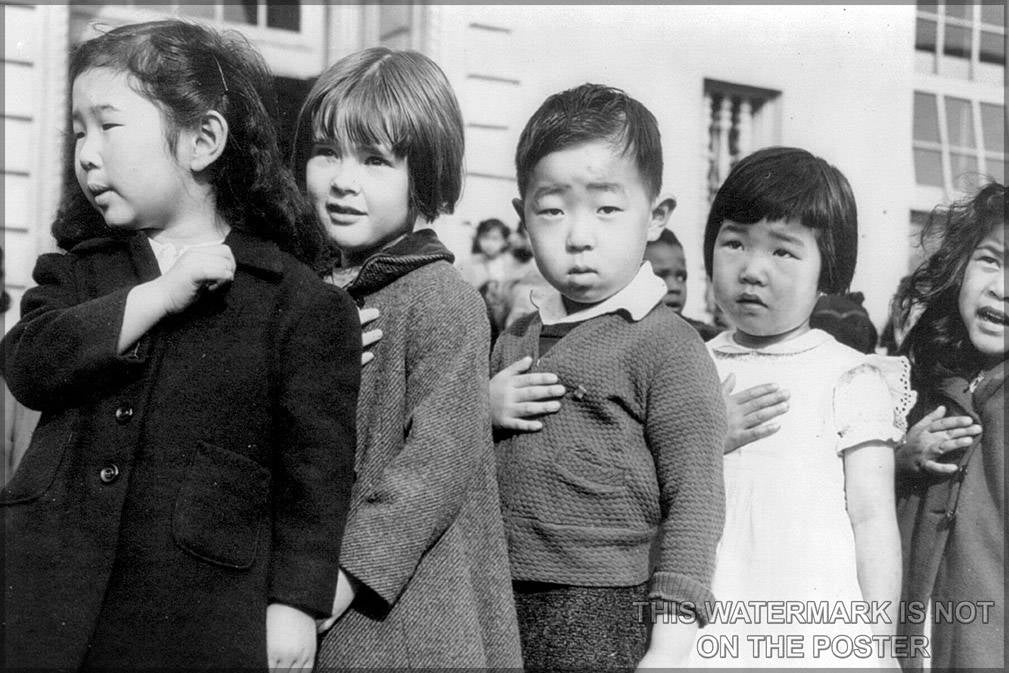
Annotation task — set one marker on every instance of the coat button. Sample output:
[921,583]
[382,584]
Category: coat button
[109,473]
[124,412]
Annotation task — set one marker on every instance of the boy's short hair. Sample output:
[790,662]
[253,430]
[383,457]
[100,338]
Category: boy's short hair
[666,237]
[781,183]
[400,99]
[592,112]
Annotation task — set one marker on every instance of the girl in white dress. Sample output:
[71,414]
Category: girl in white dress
[808,567]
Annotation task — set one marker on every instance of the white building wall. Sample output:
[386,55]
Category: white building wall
[33,111]
[845,75]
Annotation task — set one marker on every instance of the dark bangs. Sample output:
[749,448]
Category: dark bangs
[786,183]
[399,100]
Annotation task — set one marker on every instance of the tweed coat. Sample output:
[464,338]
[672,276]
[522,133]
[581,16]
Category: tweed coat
[171,492]
[425,534]
[953,533]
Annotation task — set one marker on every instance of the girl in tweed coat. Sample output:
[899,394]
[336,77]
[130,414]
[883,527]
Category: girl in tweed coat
[424,576]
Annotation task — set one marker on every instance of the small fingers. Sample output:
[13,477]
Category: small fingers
[537,379]
[522,425]
[755,418]
[728,384]
[366,315]
[527,409]
[538,392]
[954,444]
[759,432]
[938,468]
[366,357]
[519,366]
[370,337]
[767,401]
[757,392]
[952,422]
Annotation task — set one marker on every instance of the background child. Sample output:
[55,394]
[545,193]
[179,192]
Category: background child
[194,458]
[665,254]
[490,261]
[809,509]
[630,462]
[953,528]
[424,564]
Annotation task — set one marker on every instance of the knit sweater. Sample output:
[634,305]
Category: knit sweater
[424,535]
[632,460]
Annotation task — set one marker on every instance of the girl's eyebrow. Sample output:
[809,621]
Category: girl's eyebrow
[991,247]
[94,109]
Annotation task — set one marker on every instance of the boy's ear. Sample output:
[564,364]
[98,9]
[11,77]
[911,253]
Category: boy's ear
[663,208]
[519,206]
[208,141]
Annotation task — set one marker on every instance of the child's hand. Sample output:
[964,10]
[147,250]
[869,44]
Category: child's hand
[290,638]
[749,411]
[366,315]
[207,267]
[933,436]
[346,590]
[515,397]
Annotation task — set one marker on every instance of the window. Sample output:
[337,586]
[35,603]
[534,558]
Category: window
[955,138]
[966,41]
[741,120]
[269,14]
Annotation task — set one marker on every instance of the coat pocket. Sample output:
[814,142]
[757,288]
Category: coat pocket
[37,471]
[221,508]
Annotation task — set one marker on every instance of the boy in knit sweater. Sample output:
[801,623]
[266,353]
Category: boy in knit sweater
[607,408]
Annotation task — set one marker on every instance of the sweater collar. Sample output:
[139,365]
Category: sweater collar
[636,299]
[413,251]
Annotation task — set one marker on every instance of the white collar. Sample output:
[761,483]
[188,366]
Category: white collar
[168,254]
[636,299]
[726,344]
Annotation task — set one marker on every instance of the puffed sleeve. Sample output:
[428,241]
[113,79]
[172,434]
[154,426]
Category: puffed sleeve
[871,402]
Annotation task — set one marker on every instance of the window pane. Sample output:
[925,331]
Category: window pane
[992,48]
[926,118]
[932,7]
[959,122]
[199,11]
[241,12]
[961,164]
[958,9]
[993,13]
[993,127]
[957,42]
[928,167]
[924,39]
[996,169]
[286,15]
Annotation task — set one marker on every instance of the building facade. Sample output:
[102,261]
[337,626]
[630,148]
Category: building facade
[904,99]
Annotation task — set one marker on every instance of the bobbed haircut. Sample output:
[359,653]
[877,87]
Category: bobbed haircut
[188,70]
[938,344]
[487,226]
[666,237]
[787,183]
[588,113]
[395,99]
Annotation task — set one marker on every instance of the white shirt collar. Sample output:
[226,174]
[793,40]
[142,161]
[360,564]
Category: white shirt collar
[168,254]
[636,299]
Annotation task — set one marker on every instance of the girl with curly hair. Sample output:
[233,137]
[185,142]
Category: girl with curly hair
[183,498]
[951,504]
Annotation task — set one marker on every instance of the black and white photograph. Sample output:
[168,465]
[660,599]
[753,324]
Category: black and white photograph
[498,337]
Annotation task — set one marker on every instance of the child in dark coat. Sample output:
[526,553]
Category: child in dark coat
[183,498]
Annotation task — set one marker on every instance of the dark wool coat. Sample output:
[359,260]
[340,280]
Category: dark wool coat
[953,534]
[425,534]
[170,493]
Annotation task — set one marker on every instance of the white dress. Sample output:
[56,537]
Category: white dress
[788,545]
